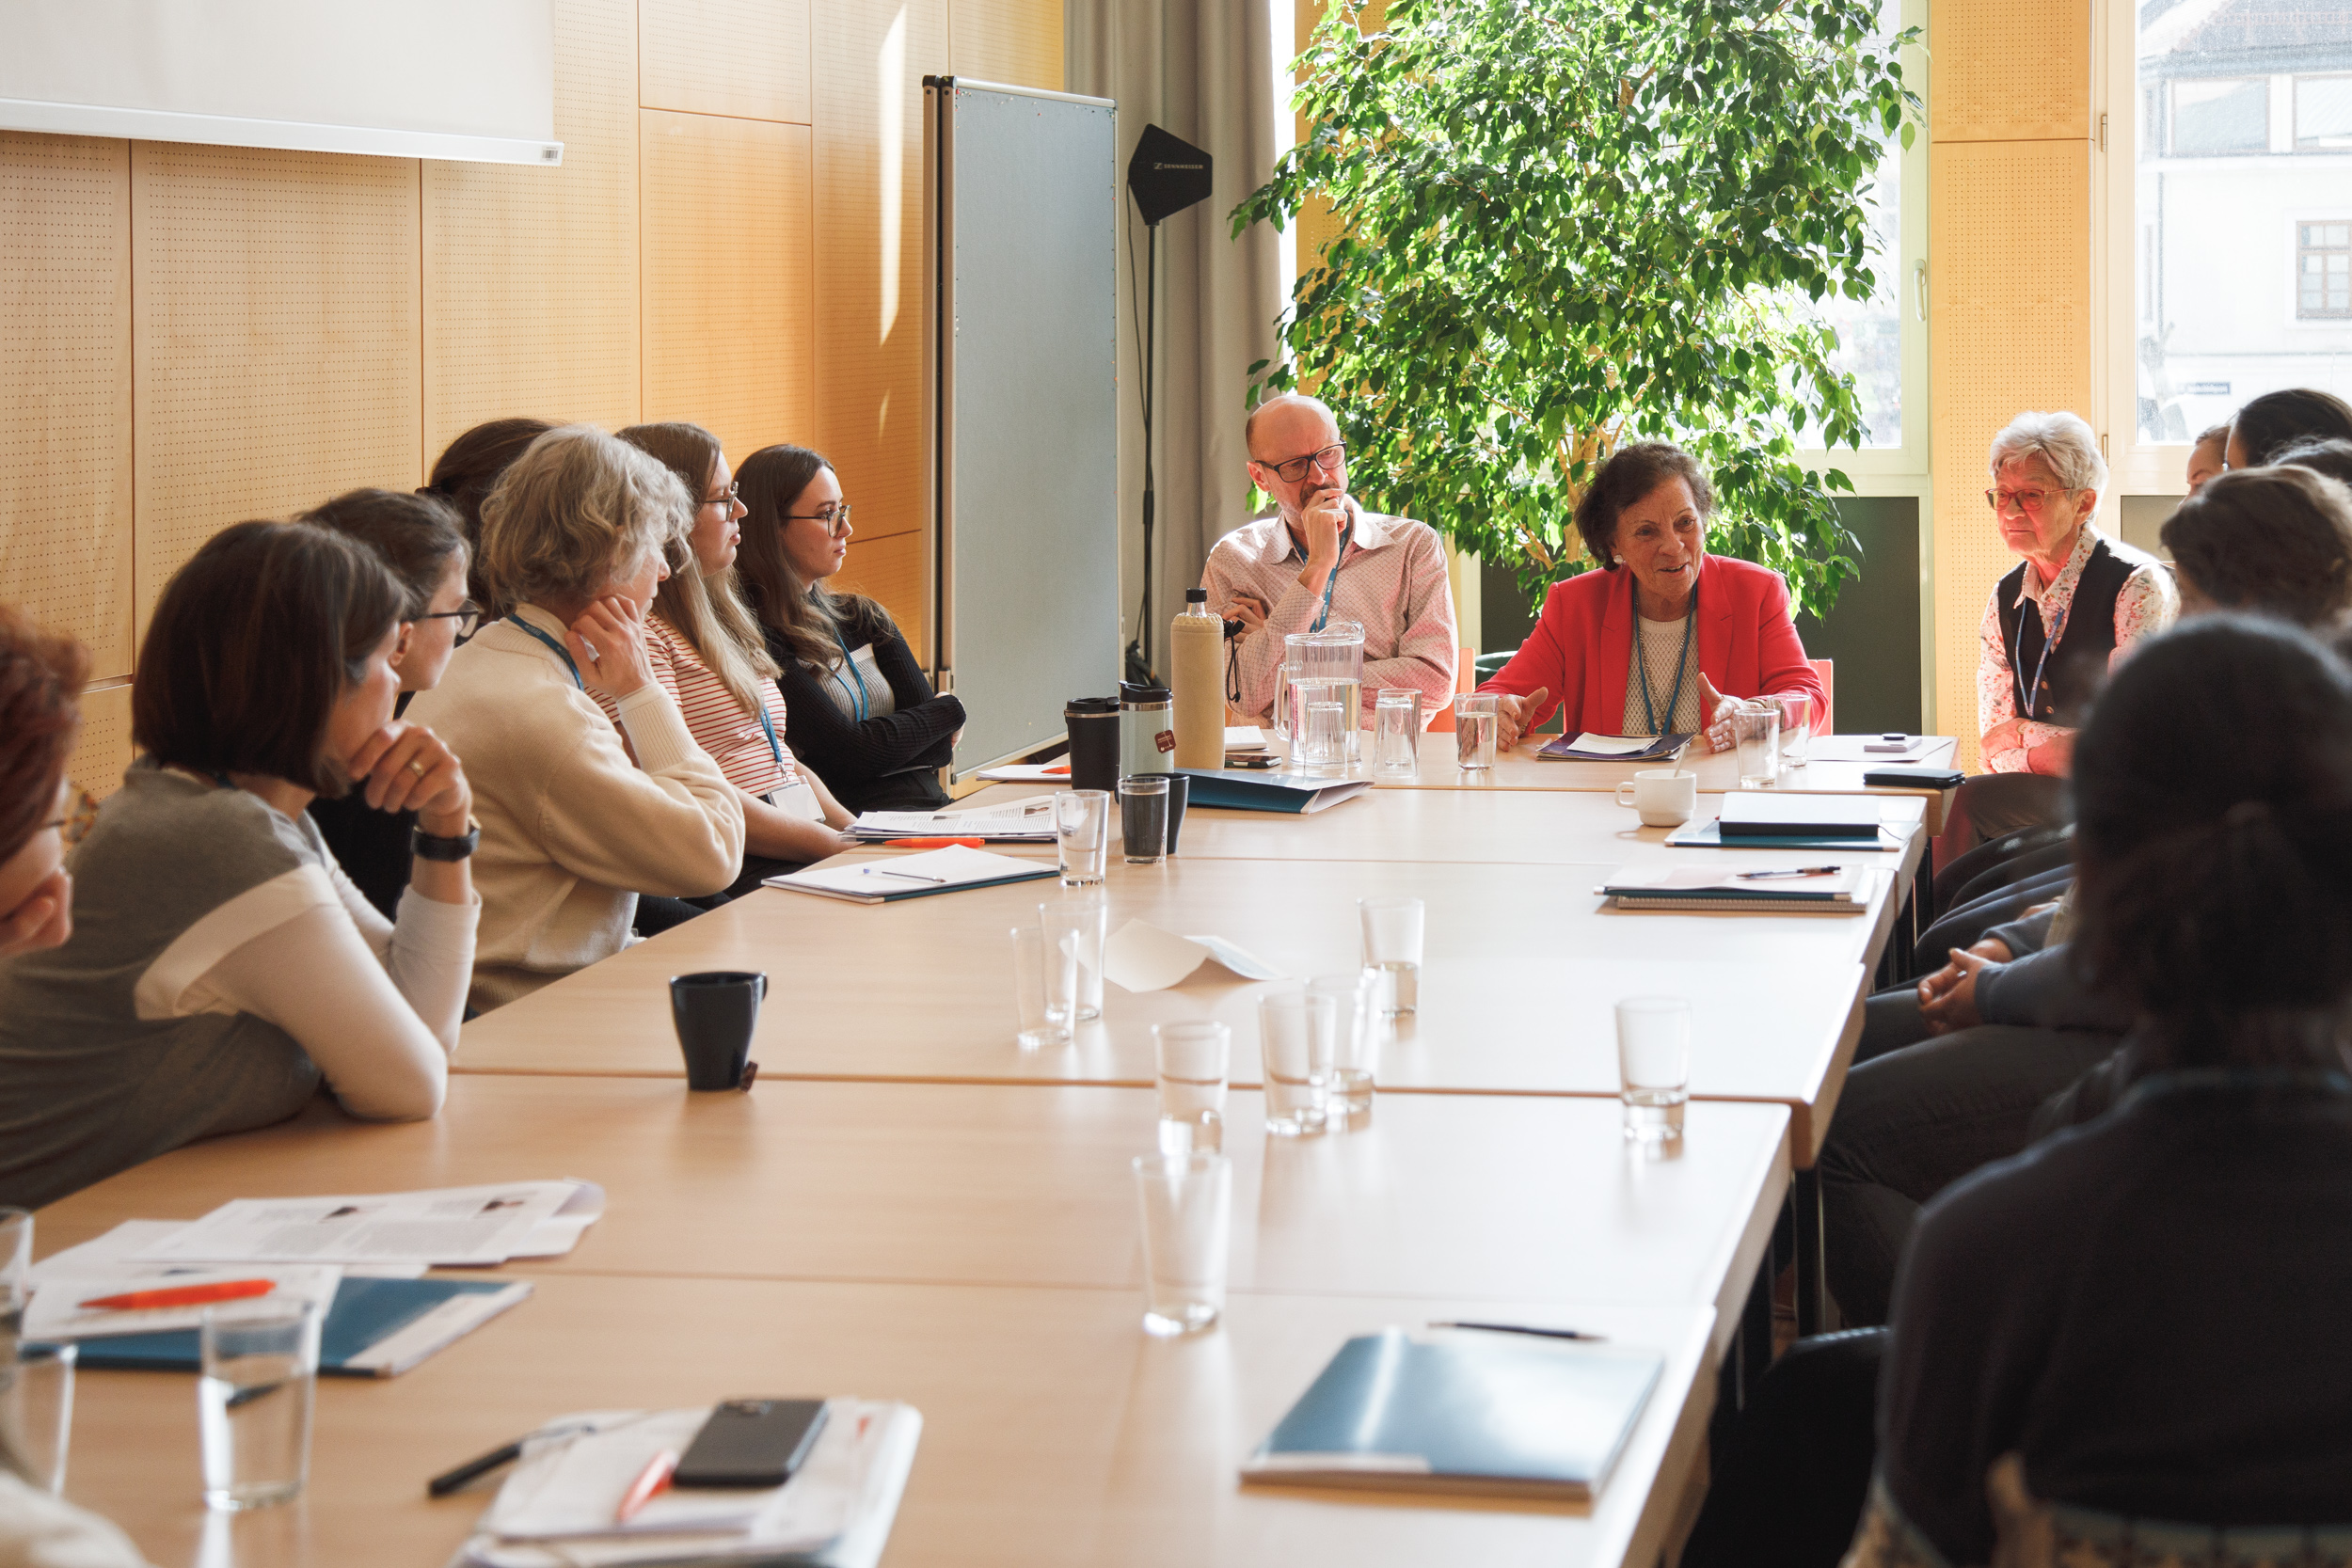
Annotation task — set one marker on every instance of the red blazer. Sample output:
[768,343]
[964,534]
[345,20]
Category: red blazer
[1582,648]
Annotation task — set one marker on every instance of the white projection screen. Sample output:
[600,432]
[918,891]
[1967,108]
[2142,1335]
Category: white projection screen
[469,80]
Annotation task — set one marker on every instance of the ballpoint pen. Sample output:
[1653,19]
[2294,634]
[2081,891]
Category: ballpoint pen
[1800,871]
[182,1295]
[909,876]
[651,1482]
[1523,1328]
[935,843]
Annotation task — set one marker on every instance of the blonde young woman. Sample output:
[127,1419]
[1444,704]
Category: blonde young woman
[707,650]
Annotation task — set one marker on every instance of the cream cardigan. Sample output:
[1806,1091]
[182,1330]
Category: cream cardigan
[572,830]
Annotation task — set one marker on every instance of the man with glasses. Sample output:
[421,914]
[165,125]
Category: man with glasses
[1323,559]
[2054,625]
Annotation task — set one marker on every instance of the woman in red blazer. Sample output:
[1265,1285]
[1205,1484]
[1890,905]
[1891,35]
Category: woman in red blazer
[1645,520]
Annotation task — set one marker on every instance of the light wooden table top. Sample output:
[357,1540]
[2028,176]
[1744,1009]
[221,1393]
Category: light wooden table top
[1056,1431]
[1522,1198]
[1521,971]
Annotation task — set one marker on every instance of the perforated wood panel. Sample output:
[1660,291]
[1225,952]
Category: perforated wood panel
[65,388]
[2010,70]
[275,334]
[869,339]
[531,284]
[2013,332]
[896,571]
[743,58]
[1017,43]
[728,277]
[104,748]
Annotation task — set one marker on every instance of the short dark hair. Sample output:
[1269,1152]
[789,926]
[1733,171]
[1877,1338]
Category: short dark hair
[469,469]
[40,682]
[417,535]
[2272,541]
[2212,841]
[2270,423]
[1632,473]
[251,645]
[2333,458]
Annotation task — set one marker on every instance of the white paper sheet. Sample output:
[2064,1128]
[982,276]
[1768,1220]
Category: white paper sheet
[1244,737]
[1030,818]
[1140,957]
[452,1224]
[1850,748]
[1614,745]
[56,1313]
[112,1253]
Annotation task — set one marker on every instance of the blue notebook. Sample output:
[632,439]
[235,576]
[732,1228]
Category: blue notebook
[1462,1411]
[376,1328]
[1229,789]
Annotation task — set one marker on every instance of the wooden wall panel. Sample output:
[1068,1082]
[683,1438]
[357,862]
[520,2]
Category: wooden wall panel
[275,337]
[1018,43]
[728,277]
[104,748]
[530,285]
[2012,326]
[870,269]
[748,59]
[897,570]
[65,388]
[2009,70]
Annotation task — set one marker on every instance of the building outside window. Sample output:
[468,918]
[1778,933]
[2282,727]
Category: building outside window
[2241,207]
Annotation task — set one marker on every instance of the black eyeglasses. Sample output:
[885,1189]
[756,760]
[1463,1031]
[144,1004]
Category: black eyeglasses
[836,518]
[468,617]
[1292,470]
[733,499]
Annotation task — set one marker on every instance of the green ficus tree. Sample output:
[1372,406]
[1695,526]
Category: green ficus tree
[1568,224]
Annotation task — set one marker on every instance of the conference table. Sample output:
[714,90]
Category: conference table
[907,1205]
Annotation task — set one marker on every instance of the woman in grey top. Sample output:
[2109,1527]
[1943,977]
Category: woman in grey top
[221,966]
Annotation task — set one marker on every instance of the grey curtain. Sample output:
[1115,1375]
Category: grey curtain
[1209,71]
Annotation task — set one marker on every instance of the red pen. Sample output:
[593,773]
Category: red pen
[651,1482]
[182,1295]
[935,843]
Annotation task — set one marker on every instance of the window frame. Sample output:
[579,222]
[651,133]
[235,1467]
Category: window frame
[2297,222]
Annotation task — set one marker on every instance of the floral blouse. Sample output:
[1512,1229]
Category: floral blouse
[2146,606]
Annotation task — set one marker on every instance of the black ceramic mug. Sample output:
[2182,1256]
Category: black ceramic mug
[1179,790]
[715,1011]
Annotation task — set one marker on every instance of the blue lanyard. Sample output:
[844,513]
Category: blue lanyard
[2049,641]
[1640,660]
[1332,581]
[561,652]
[848,666]
[767,725]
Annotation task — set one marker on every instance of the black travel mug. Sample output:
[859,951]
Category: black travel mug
[1093,726]
[714,1012]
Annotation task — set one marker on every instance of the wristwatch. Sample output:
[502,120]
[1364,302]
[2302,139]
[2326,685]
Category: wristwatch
[432,847]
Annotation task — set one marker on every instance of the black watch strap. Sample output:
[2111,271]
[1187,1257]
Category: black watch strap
[432,847]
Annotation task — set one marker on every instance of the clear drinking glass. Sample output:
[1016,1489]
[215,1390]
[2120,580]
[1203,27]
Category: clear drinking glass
[1324,720]
[1476,717]
[1076,926]
[260,1367]
[1392,932]
[1143,818]
[1187,1206]
[1355,1039]
[1756,730]
[1295,1029]
[1654,1065]
[36,1411]
[1045,987]
[1796,727]
[1396,731]
[1193,1058]
[1082,826]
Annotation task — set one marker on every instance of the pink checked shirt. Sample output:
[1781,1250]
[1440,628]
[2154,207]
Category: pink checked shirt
[1391,580]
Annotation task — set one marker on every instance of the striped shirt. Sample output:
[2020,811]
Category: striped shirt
[719,724]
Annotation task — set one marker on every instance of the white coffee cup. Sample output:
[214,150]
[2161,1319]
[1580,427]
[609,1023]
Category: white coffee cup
[1665,797]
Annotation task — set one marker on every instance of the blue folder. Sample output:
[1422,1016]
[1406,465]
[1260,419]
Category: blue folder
[367,1314]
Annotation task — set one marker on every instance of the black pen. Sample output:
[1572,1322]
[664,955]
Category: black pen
[450,1480]
[1523,1328]
[1800,871]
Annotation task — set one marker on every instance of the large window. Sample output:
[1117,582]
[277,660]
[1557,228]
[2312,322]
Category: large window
[2230,229]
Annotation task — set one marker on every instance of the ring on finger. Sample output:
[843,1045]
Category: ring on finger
[416,765]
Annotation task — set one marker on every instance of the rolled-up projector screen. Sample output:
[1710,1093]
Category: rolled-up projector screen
[472,80]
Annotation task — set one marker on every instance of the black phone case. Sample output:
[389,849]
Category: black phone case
[749,1443]
[1913,777]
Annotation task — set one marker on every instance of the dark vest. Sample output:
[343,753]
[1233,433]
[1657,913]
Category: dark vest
[2086,642]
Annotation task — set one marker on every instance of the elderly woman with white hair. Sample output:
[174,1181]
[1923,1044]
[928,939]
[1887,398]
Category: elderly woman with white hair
[573,543]
[2055,623]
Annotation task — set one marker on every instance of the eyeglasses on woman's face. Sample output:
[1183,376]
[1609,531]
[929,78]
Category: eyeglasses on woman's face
[2022,503]
[833,515]
[468,617]
[726,502]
